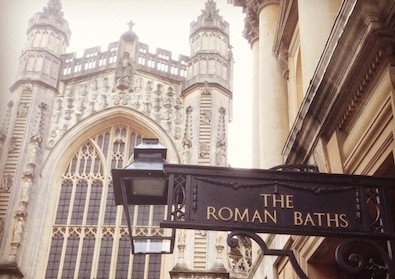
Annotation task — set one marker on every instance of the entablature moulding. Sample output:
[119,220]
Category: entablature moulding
[344,75]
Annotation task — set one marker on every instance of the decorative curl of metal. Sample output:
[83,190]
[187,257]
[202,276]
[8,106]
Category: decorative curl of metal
[296,168]
[233,242]
[373,201]
[354,263]
[179,199]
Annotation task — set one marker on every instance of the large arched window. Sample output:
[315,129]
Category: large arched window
[89,234]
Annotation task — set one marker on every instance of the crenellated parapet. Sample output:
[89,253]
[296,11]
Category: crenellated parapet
[161,62]
[94,61]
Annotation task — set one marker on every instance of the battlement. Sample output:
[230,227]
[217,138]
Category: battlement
[161,61]
[93,61]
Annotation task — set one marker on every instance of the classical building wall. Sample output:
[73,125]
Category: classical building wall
[337,60]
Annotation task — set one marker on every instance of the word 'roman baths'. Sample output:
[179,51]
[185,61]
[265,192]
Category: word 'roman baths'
[276,207]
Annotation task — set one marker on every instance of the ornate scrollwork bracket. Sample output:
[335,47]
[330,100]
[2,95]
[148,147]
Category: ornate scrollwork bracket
[354,263]
[233,242]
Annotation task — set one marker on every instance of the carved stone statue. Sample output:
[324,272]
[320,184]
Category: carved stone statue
[33,147]
[124,72]
[6,183]
[221,154]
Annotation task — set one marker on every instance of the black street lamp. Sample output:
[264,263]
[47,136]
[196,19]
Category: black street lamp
[143,182]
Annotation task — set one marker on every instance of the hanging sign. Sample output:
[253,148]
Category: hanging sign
[269,201]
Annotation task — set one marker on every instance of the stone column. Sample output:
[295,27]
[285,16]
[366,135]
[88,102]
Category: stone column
[273,104]
[251,33]
[256,139]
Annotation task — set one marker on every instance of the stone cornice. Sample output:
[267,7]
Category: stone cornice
[343,67]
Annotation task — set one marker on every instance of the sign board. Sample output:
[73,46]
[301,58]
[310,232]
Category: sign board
[269,201]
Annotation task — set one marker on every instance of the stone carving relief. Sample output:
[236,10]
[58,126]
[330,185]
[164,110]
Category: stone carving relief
[33,148]
[2,141]
[206,117]
[251,23]
[124,72]
[147,104]
[79,101]
[156,100]
[83,89]
[105,84]
[220,153]
[4,127]
[23,109]
[2,221]
[94,85]
[204,149]
[40,119]
[138,85]
[187,140]
[136,101]
[283,58]
[12,146]
[6,183]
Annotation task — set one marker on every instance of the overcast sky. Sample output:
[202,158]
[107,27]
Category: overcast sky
[158,23]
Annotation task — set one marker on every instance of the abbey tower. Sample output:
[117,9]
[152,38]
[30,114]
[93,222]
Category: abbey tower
[72,119]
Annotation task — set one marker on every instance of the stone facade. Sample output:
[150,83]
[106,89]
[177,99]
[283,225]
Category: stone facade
[72,119]
[323,86]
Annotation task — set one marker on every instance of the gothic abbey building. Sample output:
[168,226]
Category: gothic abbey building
[72,119]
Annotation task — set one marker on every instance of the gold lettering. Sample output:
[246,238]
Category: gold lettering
[309,219]
[278,200]
[329,220]
[241,217]
[211,213]
[256,216]
[298,221]
[227,212]
[283,201]
[319,217]
[344,223]
[273,216]
[265,197]
[289,201]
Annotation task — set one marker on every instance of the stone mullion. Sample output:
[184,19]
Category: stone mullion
[105,180]
[117,234]
[79,252]
[72,197]
[108,162]
[63,254]
[107,166]
[87,201]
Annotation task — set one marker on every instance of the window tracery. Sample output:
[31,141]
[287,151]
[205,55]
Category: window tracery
[90,238]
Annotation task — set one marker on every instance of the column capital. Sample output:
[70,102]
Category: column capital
[251,21]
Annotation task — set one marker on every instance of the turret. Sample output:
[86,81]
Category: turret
[27,122]
[211,57]
[48,36]
[208,89]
